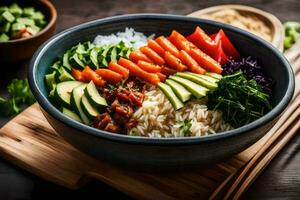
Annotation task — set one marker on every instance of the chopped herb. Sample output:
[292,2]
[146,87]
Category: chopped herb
[185,127]
[241,101]
[111,87]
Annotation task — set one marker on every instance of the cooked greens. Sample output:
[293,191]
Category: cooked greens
[241,101]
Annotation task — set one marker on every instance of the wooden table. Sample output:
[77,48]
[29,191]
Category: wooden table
[281,179]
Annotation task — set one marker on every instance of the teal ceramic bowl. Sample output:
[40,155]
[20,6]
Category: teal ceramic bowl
[142,152]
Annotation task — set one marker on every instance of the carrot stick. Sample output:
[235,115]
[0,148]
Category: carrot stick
[156,47]
[167,45]
[89,74]
[135,56]
[174,62]
[109,75]
[119,69]
[152,55]
[190,63]
[149,67]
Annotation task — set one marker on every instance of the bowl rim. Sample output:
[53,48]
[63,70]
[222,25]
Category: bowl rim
[53,17]
[139,140]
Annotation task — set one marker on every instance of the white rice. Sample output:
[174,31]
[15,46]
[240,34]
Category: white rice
[157,118]
[131,38]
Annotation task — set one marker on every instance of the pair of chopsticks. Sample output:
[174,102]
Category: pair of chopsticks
[281,133]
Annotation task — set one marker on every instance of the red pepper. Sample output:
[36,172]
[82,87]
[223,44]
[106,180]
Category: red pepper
[227,46]
[220,56]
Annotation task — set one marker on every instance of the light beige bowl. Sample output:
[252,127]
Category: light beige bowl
[276,28]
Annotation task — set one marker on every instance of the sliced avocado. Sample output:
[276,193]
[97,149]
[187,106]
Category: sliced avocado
[64,75]
[76,95]
[196,89]
[63,91]
[197,79]
[71,114]
[50,80]
[167,90]
[214,75]
[90,111]
[182,93]
[94,97]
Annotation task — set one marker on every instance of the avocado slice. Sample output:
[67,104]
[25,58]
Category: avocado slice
[71,114]
[90,111]
[63,91]
[197,90]
[182,93]
[167,90]
[197,79]
[76,95]
[206,77]
[94,97]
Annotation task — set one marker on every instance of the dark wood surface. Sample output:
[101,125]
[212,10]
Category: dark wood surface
[280,180]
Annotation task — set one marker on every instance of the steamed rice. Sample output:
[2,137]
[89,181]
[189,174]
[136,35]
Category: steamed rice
[131,39]
[157,118]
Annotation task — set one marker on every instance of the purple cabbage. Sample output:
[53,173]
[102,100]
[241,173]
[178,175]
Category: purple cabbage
[252,70]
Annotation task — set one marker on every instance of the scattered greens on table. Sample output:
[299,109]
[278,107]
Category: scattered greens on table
[19,94]
[241,101]
[292,33]
[17,22]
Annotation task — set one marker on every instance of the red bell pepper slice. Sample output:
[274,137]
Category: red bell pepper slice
[227,46]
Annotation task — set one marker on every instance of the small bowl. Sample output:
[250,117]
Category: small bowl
[18,50]
[157,153]
[276,27]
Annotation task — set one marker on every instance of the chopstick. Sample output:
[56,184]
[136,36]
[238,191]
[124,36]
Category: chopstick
[274,144]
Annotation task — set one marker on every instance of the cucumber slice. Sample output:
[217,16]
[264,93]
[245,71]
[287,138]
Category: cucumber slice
[71,114]
[64,75]
[214,75]
[197,90]
[90,111]
[94,97]
[76,60]
[113,54]
[50,80]
[4,37]
[66,61]
[175,101]
[94,57]
[206,77]
[76,95]
[198,80]
[182,93]
[63,91]
[7,16]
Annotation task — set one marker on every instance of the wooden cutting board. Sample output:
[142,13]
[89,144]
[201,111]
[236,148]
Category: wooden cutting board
[30,142]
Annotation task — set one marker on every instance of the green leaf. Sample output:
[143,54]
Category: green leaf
[20,91]
[8,107]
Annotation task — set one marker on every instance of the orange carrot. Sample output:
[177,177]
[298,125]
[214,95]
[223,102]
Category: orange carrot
[149,67]
[156,47]
[205,61]
[162,77]
[167,45]
[109,75]
[135,56]
[174,62]
[89,74]
[180,41]
[190,62]
[119,69]
[152,55]
[167,71]
[138,72]
[77,74]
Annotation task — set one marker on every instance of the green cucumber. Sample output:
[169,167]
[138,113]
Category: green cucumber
[71,114]
[90,111]
[66,63]
[63,92]
[113,54]
[8,17]
[214,75]
[197,79]
[167,90]
[50,80]
[197,90]
[182,93]
[64,75]
[76,95]
[94,97]
[94,57]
